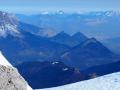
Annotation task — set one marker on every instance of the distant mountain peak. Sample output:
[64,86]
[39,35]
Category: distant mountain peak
[62,33]
[79,36]
[84,54]
[89,41]
[47,32]
[112,13]
[92,40]
[8,24]
[78,33]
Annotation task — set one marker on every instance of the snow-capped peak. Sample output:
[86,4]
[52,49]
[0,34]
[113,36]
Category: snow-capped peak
[8,25]
[112,13]
[3,60]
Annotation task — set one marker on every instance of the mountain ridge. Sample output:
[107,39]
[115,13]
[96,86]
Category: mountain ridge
[90,52]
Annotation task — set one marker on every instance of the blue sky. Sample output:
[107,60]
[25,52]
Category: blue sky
[36,6]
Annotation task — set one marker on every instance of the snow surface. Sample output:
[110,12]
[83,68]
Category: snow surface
[65,69]
[4,61]
[29,88]
[107,82]
[55,63]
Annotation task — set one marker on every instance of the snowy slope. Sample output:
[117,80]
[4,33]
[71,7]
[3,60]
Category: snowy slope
[107,82]
[4,62]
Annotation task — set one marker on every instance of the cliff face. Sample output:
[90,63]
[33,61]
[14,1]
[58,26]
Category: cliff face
[10,79]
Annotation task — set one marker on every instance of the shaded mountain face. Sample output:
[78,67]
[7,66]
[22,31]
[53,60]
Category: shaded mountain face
[107,82]
[49,74]
[25,46]
[89,53]
[113,44]
[79,37]
[66,39]
[43,32]
[28,28]
[29,48]
[103,69]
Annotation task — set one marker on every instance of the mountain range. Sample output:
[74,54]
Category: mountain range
[99,24]
[77,50]
[89,53]
[66,39]
[57,58]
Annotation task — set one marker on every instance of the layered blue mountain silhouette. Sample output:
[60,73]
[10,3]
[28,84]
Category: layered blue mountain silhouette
[50,74]
[89,53]
[66,39]
[53,59]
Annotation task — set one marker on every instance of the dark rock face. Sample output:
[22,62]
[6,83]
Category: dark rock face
[103,69]
[49,74]
[30,48]
[89,53]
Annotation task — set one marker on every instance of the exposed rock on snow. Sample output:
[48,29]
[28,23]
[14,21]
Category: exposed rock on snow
[10,79]
[107,82]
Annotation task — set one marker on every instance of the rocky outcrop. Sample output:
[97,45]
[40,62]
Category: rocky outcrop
[10,79]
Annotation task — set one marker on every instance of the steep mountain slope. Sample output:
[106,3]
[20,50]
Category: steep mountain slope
[99,24]
[18,45]
[66,39]
[89,53]
[43,32]
[8,25]
[79,37]
[49,74]
[103,69]
[28,27]
[10,79]
[107,82]
[113,44]
[30,48]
